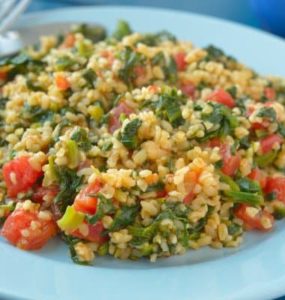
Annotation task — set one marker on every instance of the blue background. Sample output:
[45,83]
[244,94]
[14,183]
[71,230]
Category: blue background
[236,10]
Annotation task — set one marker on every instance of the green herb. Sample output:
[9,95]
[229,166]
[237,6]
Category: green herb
[107,146]
[268,113]
[216,54]
[105,206]
[33,87]
[36,114]
[94,33]
[246,198]
[69,183]
[157,38]
[90,76]
[232,91]
[168,107]
[80,136]
[3,101]
[229,181]
[279,211]
[123,29]
[168,65]
[131,59]
[142,234]
[266,159]
[247,185]
[59,128]
[234,229]
[271,196]
[129,135]
[64,63]
[281,129]
[71,242]
[224,120]
[124,217]
[155,187]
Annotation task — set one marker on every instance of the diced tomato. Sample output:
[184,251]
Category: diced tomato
[3,75]
[18,231]
[69,41]
[214,142]
[85,201]
[253,222]
[180,60]
[188,89]
[222,97]
[269,93]
[161,194]
[62,83]
[95,233]
[260,126]
[19,175]
[269,142]
[42,191]
[259,176]
[114,120]
[276,185]
[230,162]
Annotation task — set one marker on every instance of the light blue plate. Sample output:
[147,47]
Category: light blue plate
[254,271]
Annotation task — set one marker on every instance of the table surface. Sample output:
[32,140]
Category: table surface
[238,11]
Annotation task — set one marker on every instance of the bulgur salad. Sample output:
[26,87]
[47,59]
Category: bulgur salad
[137,145]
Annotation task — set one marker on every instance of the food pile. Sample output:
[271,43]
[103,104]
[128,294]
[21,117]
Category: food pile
[137,145]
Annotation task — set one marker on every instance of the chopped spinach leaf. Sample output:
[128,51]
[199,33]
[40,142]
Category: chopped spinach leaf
[123,29]
[80,136]
[69,183]
[129,135]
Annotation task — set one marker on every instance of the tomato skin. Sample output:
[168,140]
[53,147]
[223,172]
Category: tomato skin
[268,142]
[259,176]
[253,222]
[188,89]
[180,60]
[114,121]
[69,41]
[62,83]
[41,191]
[21,220]
[94,233]
[276,185]
[269,93]
[84,202]
[222,97]
[25,175]
[230,162]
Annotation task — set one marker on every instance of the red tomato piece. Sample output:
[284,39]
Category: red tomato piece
[260,126]
[18,231]
[94,233]
[180,60]
[85,201]
[114,121]
[62,83]
[19,175]
[188,89]
[269,93]
[222,97]
[259,176]
[269,142]
[276,185]
[161,194]
[3,75]
[42,191]
[253,222]
[230,162]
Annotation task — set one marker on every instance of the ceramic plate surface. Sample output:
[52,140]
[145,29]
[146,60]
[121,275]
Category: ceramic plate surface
[253,271]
